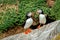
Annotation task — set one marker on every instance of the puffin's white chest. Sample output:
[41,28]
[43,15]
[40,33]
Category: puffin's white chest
[28,23]
[42,19]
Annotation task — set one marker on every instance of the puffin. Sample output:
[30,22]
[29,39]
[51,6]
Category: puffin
[42,17]
[28,23]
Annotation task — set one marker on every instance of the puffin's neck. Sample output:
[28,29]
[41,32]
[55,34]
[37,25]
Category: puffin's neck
[42,14]
[28,17]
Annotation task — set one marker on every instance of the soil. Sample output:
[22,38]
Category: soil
[3,8]
[12,31]
[50,3]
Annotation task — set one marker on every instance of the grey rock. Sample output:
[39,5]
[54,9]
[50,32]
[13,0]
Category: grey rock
[47,32]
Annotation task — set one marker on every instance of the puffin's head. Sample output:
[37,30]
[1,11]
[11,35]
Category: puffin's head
[29,14]
[40,11]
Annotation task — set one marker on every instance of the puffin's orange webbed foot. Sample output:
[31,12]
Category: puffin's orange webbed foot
[38,27]
[27,31]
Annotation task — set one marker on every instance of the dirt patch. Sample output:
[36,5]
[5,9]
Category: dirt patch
[3,7]
[50,3]
[12,31]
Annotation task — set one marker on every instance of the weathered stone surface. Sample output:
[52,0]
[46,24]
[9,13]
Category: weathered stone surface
[47,32]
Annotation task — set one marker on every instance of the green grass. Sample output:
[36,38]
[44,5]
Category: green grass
[8,1]
[8,18]
[29,6]
[32,5]
[56,10]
